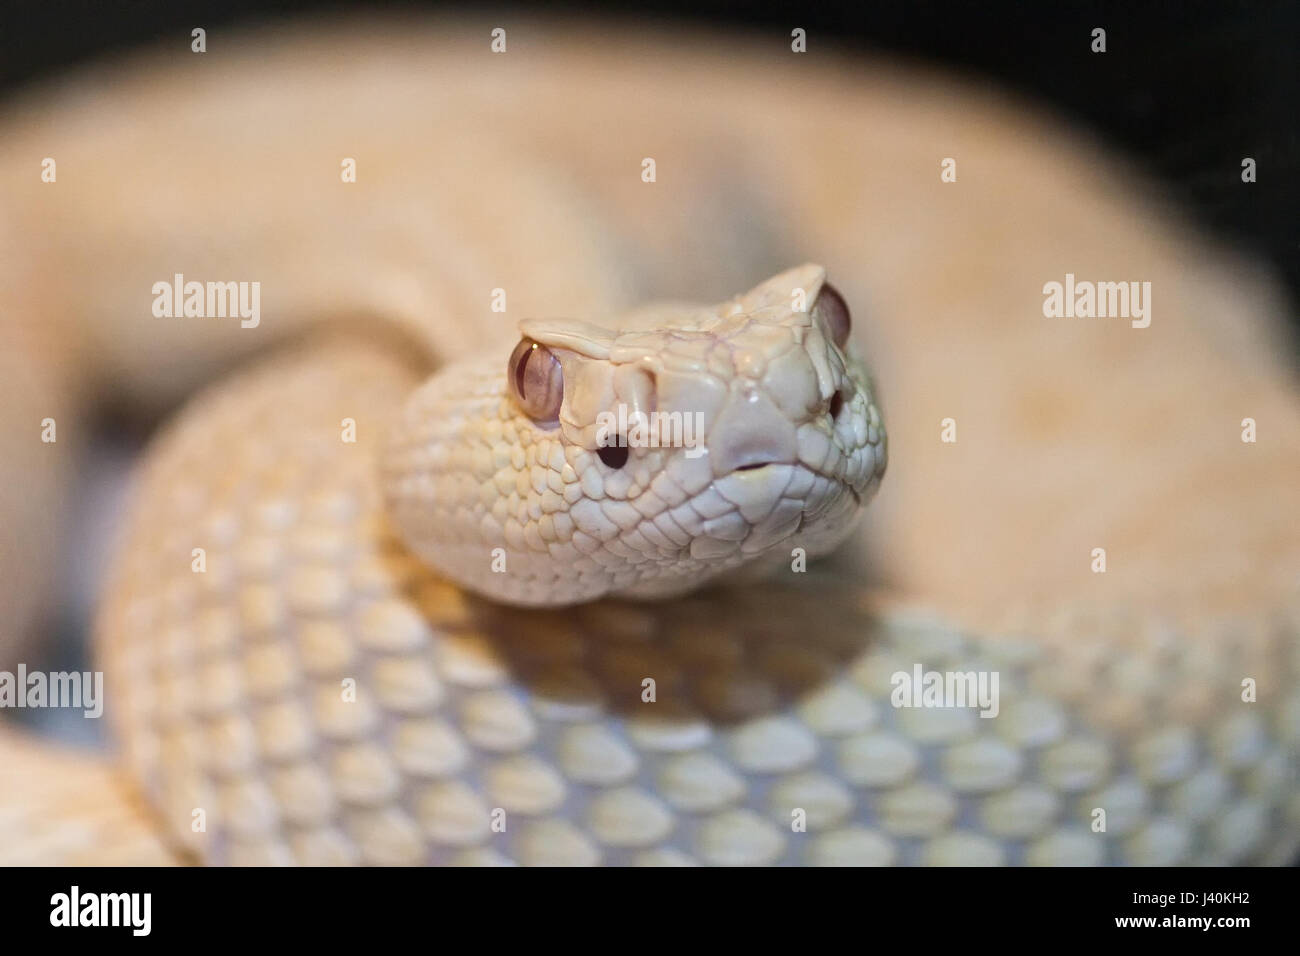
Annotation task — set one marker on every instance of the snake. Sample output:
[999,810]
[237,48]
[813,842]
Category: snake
[394,583]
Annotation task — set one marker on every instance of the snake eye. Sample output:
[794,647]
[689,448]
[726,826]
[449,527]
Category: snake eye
[834,311]
[536,381]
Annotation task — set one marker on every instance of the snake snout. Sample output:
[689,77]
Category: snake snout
[750,432]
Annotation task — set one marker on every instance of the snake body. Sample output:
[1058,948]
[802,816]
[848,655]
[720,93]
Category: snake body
[429,627]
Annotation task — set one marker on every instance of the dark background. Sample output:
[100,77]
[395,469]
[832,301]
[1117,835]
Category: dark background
[1186,89]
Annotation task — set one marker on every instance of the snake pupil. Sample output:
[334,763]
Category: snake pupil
[536,381]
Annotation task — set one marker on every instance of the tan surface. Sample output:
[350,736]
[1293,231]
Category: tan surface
[67,807]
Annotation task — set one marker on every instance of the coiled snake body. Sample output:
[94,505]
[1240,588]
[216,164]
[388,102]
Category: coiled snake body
[433,623]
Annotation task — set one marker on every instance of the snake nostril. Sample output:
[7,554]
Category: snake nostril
[752,466]
[613,456]
[836,406]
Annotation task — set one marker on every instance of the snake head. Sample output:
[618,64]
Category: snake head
[644,455]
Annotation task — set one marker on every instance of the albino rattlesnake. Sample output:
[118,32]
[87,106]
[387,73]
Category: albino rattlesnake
[521,171]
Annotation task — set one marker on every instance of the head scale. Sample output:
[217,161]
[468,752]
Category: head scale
[642,456]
